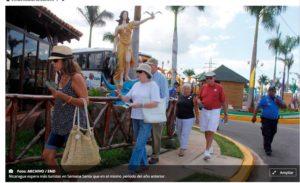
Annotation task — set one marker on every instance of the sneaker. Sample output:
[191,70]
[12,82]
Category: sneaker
[211,150]
[207,155]
[153,161]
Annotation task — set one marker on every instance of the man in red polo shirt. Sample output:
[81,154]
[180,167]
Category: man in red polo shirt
[212,98]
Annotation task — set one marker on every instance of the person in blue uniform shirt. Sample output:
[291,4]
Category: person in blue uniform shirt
[270,105]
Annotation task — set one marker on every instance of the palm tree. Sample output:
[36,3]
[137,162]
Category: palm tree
[95,17]
[108,36]
[266,16]
[293,88]
[274,44]
[263,80]
[285,48]
[189,73]
[176,10]
[289,62]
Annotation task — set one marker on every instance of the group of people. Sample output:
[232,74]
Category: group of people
[153,86]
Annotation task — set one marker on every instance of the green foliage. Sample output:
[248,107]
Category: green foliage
[110,158]
[228,148]
[94,16]
[263,79]
[266,14]
[293,87]
[108,36]
[96,92]
[189,72]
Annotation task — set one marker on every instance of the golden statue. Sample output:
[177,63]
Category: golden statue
[123,48]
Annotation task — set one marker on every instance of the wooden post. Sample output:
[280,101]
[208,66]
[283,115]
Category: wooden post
[13,131]
[106,123]
[47,119]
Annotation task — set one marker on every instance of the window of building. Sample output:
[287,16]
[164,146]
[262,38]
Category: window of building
[42,65]
[14,55]
[30,65]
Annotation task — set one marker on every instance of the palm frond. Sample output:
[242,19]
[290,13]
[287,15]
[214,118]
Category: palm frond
[176,9]
[108,36]
[200,8]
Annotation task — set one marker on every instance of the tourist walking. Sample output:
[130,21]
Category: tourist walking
[212,98]
[144,89]
[157,128]
[71,89]
[270,105]
[186,111]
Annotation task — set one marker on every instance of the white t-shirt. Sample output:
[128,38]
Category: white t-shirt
[143,93]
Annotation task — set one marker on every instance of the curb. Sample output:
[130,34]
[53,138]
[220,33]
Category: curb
[247,119]
[247,164]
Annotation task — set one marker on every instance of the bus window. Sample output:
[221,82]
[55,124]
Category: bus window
[95,60]
[82,60]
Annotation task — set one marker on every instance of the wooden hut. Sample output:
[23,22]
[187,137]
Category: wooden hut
[233,85]
[31,31]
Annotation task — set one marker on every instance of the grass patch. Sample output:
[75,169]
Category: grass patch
[109,158]
[228,148]
[201,177]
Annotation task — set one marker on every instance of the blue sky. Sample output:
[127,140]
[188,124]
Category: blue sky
[222,33]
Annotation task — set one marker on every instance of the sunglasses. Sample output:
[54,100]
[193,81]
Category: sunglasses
[209,78]
[54,61]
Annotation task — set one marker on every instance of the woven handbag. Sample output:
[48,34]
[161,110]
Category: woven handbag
[82,151]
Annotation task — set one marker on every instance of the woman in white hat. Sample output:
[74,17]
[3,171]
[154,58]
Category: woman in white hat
[144,89]
[71,88]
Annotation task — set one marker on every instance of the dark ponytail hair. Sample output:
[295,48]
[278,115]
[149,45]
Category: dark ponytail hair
[120,21]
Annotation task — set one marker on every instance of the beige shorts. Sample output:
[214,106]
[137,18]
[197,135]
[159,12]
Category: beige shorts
[209,120]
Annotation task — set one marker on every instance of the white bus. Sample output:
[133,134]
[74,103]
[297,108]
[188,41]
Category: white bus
[95,60]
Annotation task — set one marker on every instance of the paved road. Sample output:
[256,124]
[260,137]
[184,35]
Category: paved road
[285,145]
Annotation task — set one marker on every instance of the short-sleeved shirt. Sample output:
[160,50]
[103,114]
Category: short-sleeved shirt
[162,83]
[143,93]
[212,97]
[269,108]
[173,92]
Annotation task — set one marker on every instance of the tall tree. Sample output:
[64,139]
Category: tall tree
[289,62]
[266,16]
[176,10]
[108,36]
[189,73]
[94,17]
[274,44]
[263,81]
[285,48]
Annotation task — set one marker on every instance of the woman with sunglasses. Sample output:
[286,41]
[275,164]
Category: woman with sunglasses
[141,91]
[71,88]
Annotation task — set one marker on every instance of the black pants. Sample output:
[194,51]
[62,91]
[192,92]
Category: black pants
[268,129]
